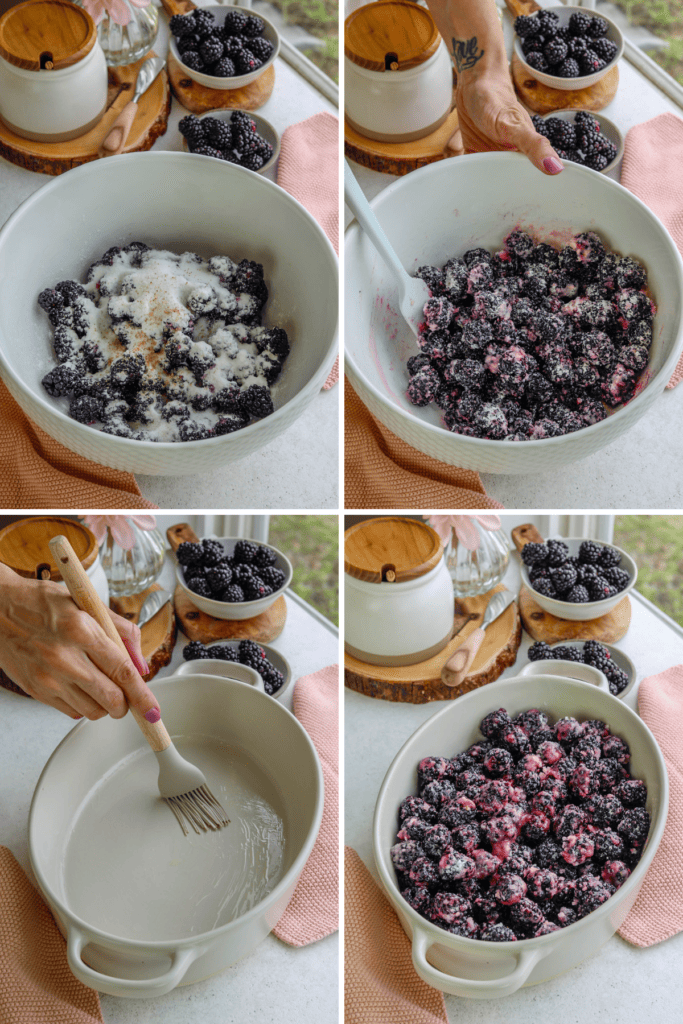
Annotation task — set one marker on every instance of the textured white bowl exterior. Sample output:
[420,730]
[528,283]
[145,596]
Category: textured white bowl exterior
[175,201]
[237,81]
[450,206]
[591,609]
[583,81]
[484,970]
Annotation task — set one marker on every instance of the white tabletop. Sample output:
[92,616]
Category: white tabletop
[651,449]
[276,983]
[620,983]
[299,469]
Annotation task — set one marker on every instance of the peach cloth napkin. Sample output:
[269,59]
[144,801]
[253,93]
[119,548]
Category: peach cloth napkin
[39,472]
[380,983]
[653,158]
[308,169]
[313,911]
[36,984]
[657,913]
[382,471]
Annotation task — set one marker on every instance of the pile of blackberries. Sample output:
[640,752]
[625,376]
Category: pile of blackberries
[592,575]
[572,51]
[237,47]
[580,141]
[590,653]
[237,141]
[249,574]
[527,831]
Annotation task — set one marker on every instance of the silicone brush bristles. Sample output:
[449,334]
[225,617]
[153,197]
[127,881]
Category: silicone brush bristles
[200,808]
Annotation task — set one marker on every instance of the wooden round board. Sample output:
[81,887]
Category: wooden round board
[402,157]
[421,683]
[542,99]
[540,625]
[151,121]
[196,625]
[158,634]
[199,99]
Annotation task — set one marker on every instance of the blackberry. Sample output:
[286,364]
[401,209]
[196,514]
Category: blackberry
[192,60]
[590,552]
[255,588]
[609,557]
[264,558]
[564,577]
[567,654]
[211,50]
[257,401]
[195,651]
[261,48]
[545,587]
[540,125]
[219,578]
[537,61]
[254,26]
[590,62]
[569,68]
[274,578]
[252,161]
[592,650]
[246,62]
[579,24]
[235,23]
[225,68]
[617,577]
[577,595]
[213,552]
[223,652]
[199,586]
[218,133]
[242,574]
[597,161]
[526,25]
[555,51]
[233,45]
[598,27]
[273,679]
[86,409]
[233,594]
[605,49]
[181,25]
[62,380]
[423,386]
[417,363]
[187,43]
[228,399]
[540,651]
[558,552]
[189,553]
[245,552]
[193,129]
[251,654]
[209,151]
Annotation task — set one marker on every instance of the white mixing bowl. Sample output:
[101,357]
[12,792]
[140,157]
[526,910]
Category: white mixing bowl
[448,207]
[482,969]
[180,202]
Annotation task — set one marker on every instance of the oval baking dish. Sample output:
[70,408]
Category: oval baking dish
[144,908]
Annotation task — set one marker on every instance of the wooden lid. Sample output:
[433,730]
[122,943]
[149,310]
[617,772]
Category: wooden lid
[390,549]
[390,35]
[25,544]
[40,33]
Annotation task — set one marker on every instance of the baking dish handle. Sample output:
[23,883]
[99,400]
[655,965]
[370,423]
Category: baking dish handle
[222,671]
[485,989]
[568,670]
[148,987]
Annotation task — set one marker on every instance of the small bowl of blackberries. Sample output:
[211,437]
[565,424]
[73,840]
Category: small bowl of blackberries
[567,48]
[583,137]
[577,579]
[232,578]
[236,136]
[223,47]
[614,664]
[220,659]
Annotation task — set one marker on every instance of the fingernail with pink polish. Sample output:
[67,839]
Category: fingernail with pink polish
[153,715]
[139,662]
[552,165]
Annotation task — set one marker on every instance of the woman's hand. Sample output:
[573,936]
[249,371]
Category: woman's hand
[58,654]
[491,118]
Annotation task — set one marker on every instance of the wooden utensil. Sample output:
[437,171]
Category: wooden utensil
[412,291]
[458,665]
[119,131]
[183,787]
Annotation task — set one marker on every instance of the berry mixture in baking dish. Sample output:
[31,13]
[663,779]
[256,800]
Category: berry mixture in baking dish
[246,653]
[571,51]
[532,341]
[580,140]
[247,575]
[591,653]
[528,830]
[592,575]
[163,347]
[237,47]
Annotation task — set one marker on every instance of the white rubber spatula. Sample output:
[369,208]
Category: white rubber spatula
[183,787]
[412,291]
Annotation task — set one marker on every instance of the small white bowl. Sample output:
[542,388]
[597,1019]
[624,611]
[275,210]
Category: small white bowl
[239,609]
[607,128]
[237,81]
[583,81]
[226,669]
[591,609]
[572,669]
[263,127]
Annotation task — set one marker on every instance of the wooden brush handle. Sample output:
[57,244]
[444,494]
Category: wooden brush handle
[458,665]
[88,600]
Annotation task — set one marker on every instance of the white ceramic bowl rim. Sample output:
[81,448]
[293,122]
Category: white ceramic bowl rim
[660,379]
[241,604]
[588,605]
[193,940]
[166,160]
[653,840]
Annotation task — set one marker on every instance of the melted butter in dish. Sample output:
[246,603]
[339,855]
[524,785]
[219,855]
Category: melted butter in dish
[128,870]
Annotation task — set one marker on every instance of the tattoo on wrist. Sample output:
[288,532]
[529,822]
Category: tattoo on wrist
[466,53]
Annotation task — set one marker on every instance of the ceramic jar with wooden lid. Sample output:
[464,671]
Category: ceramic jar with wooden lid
[24,546]
[399,78]
[53,75]
[398,596]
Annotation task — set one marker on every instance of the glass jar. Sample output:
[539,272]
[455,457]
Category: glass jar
[124,44]
[476,572]
[130,572]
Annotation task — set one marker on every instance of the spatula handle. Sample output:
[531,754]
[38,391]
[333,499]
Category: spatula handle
[118,133]
[88,600]
[458,665]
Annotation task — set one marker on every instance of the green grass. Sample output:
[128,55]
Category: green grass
[656,544]
[312,545]
[320,18]
[663,18]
